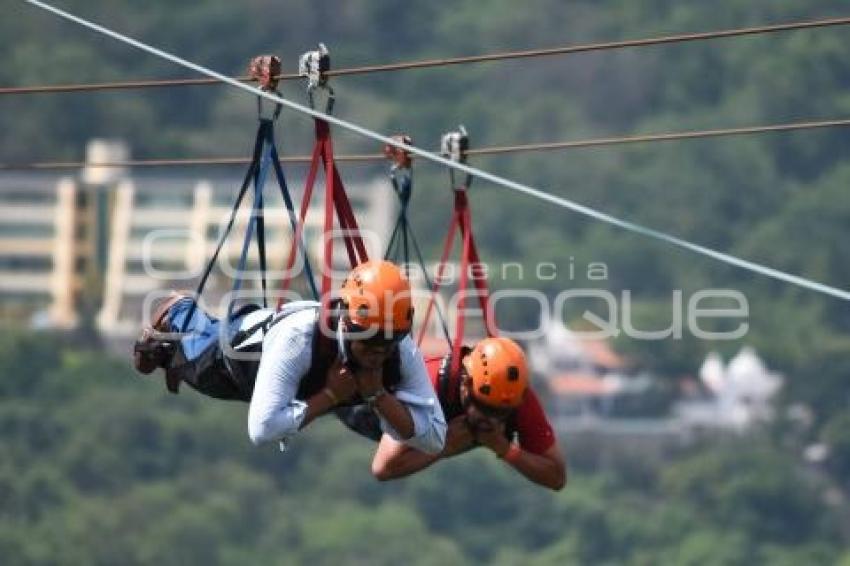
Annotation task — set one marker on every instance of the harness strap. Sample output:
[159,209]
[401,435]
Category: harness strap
[469,261]
[402,181]
[443,386]
[348,223]
[297,239]
[336,205]
[264,156]
[447,248]
[242,190]
[305,205]
[256,221]
[263,325]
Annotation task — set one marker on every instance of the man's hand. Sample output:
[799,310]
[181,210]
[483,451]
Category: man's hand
[369,381]
[491,433]
[341,382]
[458,437]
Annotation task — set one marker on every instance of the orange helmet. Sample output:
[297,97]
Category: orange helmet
[498,371]
[376,294]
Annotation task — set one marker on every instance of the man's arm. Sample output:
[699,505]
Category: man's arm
[546,469]
[396,415]
[394,459]
[340,386]
[274,413]
[417,396]
[318,405]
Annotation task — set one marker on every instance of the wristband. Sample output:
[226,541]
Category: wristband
[331,395]
[513,454]
[373,398]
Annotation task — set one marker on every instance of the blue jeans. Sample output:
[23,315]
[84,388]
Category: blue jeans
[200,360]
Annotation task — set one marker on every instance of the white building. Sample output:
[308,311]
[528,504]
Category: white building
[103,240]
[583,374]
[740,393]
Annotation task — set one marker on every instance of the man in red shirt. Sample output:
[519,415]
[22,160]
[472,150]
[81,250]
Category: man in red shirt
[491,405]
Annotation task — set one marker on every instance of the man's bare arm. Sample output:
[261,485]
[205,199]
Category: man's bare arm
[547,469]
[395,460]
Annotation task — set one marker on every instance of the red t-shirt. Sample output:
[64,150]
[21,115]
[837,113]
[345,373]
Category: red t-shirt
[534,432]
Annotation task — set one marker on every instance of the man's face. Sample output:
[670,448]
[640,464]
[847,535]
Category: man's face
[478,417]
[479,421]
[371,354]
[371,349]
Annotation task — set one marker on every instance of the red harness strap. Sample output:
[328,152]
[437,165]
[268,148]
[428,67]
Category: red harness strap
[470,267]
[337,201]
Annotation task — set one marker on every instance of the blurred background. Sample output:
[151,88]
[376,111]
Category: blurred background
[681,450]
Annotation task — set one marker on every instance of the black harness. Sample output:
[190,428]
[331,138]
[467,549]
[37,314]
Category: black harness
[325,352]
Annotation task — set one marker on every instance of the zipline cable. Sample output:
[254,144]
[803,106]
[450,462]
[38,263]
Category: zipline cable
[492,150]
[447,61]
[495,179]
[188,162]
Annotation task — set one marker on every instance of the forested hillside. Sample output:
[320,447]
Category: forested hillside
[102,467]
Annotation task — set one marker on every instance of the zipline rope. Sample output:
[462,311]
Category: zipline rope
[491,150]
[446,61]
[495,179]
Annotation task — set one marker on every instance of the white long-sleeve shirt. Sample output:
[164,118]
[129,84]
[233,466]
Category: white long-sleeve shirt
[276,415]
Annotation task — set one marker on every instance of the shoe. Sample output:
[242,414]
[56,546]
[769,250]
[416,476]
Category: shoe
[149,352]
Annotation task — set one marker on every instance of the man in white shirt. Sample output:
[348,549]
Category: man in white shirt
[303,366]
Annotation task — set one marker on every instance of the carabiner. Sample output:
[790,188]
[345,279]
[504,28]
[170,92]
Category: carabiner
[400,157]
[400,174]
[315,65]
[453,146]
[266,69]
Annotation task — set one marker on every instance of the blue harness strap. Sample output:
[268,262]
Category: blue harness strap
[223,238]
[402,181]
[265,155]
[402,235]
[293,217]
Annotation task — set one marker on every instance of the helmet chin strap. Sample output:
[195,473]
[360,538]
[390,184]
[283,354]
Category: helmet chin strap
[464,394]
[343,345]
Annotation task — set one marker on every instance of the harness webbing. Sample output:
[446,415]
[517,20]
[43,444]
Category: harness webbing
[470,268]
[398,249]
[265,156]
[336,204]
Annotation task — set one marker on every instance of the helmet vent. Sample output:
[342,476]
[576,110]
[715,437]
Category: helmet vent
[484,390]
[513,373]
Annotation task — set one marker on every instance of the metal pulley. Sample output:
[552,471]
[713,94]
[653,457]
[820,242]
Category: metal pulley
[401,158]
[454,145]
[314,65]
[266,70]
